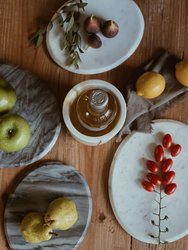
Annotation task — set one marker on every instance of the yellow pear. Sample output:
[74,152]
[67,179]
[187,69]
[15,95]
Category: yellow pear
[150,85]
[61,214]
[33,228]
[182,72]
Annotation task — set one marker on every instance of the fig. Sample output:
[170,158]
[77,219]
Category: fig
[92,24]
[94,41]
[109,28]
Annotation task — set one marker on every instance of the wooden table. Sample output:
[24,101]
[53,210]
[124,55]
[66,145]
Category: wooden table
[166,26]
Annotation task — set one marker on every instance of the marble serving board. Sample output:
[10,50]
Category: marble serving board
[133,206]
[36,190]
[36,103]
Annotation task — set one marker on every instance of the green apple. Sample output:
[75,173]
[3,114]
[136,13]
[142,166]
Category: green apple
[33,228]
[61,214]
[7,96]
[15,132]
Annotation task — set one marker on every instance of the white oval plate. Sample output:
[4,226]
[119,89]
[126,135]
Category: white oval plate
[132,205]
[113,51]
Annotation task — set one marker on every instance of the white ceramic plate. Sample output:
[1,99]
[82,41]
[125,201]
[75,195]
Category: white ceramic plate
[113,51]
[132,205]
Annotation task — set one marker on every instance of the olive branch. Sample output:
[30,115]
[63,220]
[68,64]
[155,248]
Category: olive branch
[68,19]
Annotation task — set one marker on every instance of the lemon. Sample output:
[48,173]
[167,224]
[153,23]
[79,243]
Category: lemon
[150,85]
[182,72]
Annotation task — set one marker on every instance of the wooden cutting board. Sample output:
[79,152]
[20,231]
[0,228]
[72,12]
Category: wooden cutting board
[36,190]
[39,107]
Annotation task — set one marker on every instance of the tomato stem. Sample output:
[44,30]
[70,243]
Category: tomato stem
[160,197]
[160,207]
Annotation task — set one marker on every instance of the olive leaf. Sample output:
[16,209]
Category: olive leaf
[68,8]
[68,18]
[49,26]
[81,5]
[61,20]
[81,51]
[70,24]
[36,34]
[75,27]
[69,61]
[79,39]
[39,41]
[76,16]
[78,56]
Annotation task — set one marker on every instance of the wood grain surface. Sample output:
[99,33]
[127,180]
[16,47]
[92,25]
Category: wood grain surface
[166,26]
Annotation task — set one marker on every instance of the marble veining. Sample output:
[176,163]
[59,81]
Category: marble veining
[36,190]
[39,107]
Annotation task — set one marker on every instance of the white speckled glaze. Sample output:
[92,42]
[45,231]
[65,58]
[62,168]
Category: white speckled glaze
[74,93]
[34,193]
[132,205]
[113,51]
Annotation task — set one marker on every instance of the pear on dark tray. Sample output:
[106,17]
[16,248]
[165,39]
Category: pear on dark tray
[33,228]
[61,214]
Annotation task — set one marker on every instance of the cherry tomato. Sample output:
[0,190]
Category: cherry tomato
[159,153]
[170,188]
[152,166]
[148,186]
[168,178]
[167,141]
[175,150]
[166,165]
[154,179]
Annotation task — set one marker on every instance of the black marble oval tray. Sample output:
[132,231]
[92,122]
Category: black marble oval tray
[39,107]
[36,190]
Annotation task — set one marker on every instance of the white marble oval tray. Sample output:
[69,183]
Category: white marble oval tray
[132,205]
[36,103]
[36,190]
[113,51]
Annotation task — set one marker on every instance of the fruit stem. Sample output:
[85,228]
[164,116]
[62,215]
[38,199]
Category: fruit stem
[48,222]
[160,216]
[160,207]
[55,234]
[112,23]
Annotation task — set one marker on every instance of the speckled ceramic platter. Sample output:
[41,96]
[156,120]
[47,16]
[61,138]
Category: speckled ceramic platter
[36,103]
[136,209]
[36,190]
[113,51]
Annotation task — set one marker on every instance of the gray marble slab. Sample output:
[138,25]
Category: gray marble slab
[36,190]
[36,103]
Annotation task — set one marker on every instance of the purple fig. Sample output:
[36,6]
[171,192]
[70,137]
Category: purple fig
[94,41]
[109,28]
[92,24]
